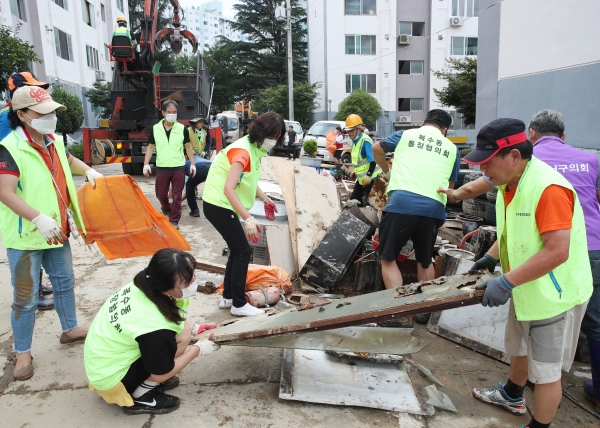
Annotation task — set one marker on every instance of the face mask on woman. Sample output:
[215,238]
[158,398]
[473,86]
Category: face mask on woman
[268,144]
[188,292]
[45,124]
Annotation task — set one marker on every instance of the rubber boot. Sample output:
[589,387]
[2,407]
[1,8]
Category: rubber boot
[592,387]
[45,290]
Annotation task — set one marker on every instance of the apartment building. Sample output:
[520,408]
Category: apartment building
[71,37]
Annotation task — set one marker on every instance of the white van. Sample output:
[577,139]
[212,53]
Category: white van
[318,132]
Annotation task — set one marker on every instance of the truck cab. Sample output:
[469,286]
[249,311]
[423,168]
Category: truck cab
[230,123]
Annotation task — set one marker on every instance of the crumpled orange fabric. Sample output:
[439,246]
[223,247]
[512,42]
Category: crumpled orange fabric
[122,222]
[260,276]
[330,141]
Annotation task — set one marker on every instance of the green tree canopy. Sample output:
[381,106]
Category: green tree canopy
[276,99]
[70,120]
[461,92]
[362,104]
[15,55]
[99,97]
[185,63]
[220,64]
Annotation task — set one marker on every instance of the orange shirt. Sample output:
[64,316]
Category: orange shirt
[239,155]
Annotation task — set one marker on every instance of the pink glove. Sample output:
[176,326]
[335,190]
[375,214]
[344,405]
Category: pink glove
[270,210]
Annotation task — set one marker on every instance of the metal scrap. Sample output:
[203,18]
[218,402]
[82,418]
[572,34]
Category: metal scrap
[439,399]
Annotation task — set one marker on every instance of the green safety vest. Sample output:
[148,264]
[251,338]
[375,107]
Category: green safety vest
[124,31]
[360,164]
[36,189]
[197,139]
[423,162]
[169,151]
[247,184]
[110,346]
[568,285]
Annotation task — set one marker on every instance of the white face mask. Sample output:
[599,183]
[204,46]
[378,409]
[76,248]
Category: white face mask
[171,117]
[268,144]
[188,292]
[45,124]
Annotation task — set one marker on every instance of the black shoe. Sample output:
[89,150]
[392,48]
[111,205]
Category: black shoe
[422,318]
[45,290]
[45,303]
[153,402]
[195,213]
[168,384]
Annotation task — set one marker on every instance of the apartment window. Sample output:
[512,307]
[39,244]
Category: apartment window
[366,82]
[87,12]
[410,67]
[64,47]
[62,3]
[410,104]
[464,46]
[361,7]
[465,7]
[205,23]
[360,45]
[92,57]
[122,8]
[412,28]
[102,12]
[106,52]
[17,8]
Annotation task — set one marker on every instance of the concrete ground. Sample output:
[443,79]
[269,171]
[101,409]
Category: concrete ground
[236,386]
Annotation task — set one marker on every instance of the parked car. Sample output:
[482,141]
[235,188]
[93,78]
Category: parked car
[318,132]
[297,144]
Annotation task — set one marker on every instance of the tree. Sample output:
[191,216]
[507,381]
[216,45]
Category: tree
[219,61]
[186,63]
[276,99]
[362,104]
[15,54]
[461,92]
[70,120]
[99,97]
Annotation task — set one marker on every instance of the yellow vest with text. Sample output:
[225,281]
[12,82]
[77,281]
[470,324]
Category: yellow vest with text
[248,181]
[359,163]
[566,286]
[169,151]
[198,140]
[423,162]
[36,188]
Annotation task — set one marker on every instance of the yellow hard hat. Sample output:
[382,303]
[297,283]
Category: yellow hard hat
[121,18]
[353,121]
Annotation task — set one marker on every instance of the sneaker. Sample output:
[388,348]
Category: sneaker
[225,303]
[168,384]
[498,397]
[153,402]
[174,224]
[195,213]
[246,311]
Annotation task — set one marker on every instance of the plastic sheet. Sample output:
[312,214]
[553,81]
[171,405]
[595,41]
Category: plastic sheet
[265,276]
[330,141]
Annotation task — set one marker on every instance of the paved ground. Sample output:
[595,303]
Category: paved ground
[235,387]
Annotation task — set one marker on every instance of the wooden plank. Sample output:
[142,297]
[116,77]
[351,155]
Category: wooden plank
[279,243]
[210,267]
[428,296]
[284,171]
[317,208]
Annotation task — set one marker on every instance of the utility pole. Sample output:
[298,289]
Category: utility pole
[279,14]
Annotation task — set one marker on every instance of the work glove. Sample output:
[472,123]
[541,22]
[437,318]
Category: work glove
[270,210]
[192,170]
[206,346]
[448,193]
[386,175]
[497,291]
[49,229]
[352,203]
[252,229]
[200,328]
[366,180]
[147,171]
[486,262]
[91,175]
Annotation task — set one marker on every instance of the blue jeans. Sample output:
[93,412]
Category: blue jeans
[591,321]
[24,268]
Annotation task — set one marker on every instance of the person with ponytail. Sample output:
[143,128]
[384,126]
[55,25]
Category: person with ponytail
[138,341]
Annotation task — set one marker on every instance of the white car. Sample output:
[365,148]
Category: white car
[297,144]
[318,132]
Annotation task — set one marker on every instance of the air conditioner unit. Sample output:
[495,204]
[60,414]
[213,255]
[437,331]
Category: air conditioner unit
[404,39]
[100,75]
[404,118]
[456,21]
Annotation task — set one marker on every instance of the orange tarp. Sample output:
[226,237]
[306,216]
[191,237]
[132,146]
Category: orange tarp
[119,218]
[260,276]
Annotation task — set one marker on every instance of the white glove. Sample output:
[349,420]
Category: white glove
[91,175]
[252,229]
[147,171]
[366,180]
[386,175]
[49,228]
[206,346]
[192,170]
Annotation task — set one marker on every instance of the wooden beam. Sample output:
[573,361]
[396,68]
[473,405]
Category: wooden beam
[210,267]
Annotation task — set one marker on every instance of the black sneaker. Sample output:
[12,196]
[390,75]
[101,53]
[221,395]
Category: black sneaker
[168,384]
[153,402]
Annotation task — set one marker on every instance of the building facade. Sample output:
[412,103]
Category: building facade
[71,37]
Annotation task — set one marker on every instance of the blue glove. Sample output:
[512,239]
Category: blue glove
[497,291]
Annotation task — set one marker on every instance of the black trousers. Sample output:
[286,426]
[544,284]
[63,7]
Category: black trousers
[229,226]
[361,193]
[190,185]
[291,148]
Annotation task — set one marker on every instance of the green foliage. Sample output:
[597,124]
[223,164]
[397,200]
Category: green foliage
[465,152]
[276,99]
[341,174]
[15,54]
[69,121]
[362,104]
[99,97]
[220,63]
[77,151]
[185,63]
[461,92]
[165,57]
[310,148]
